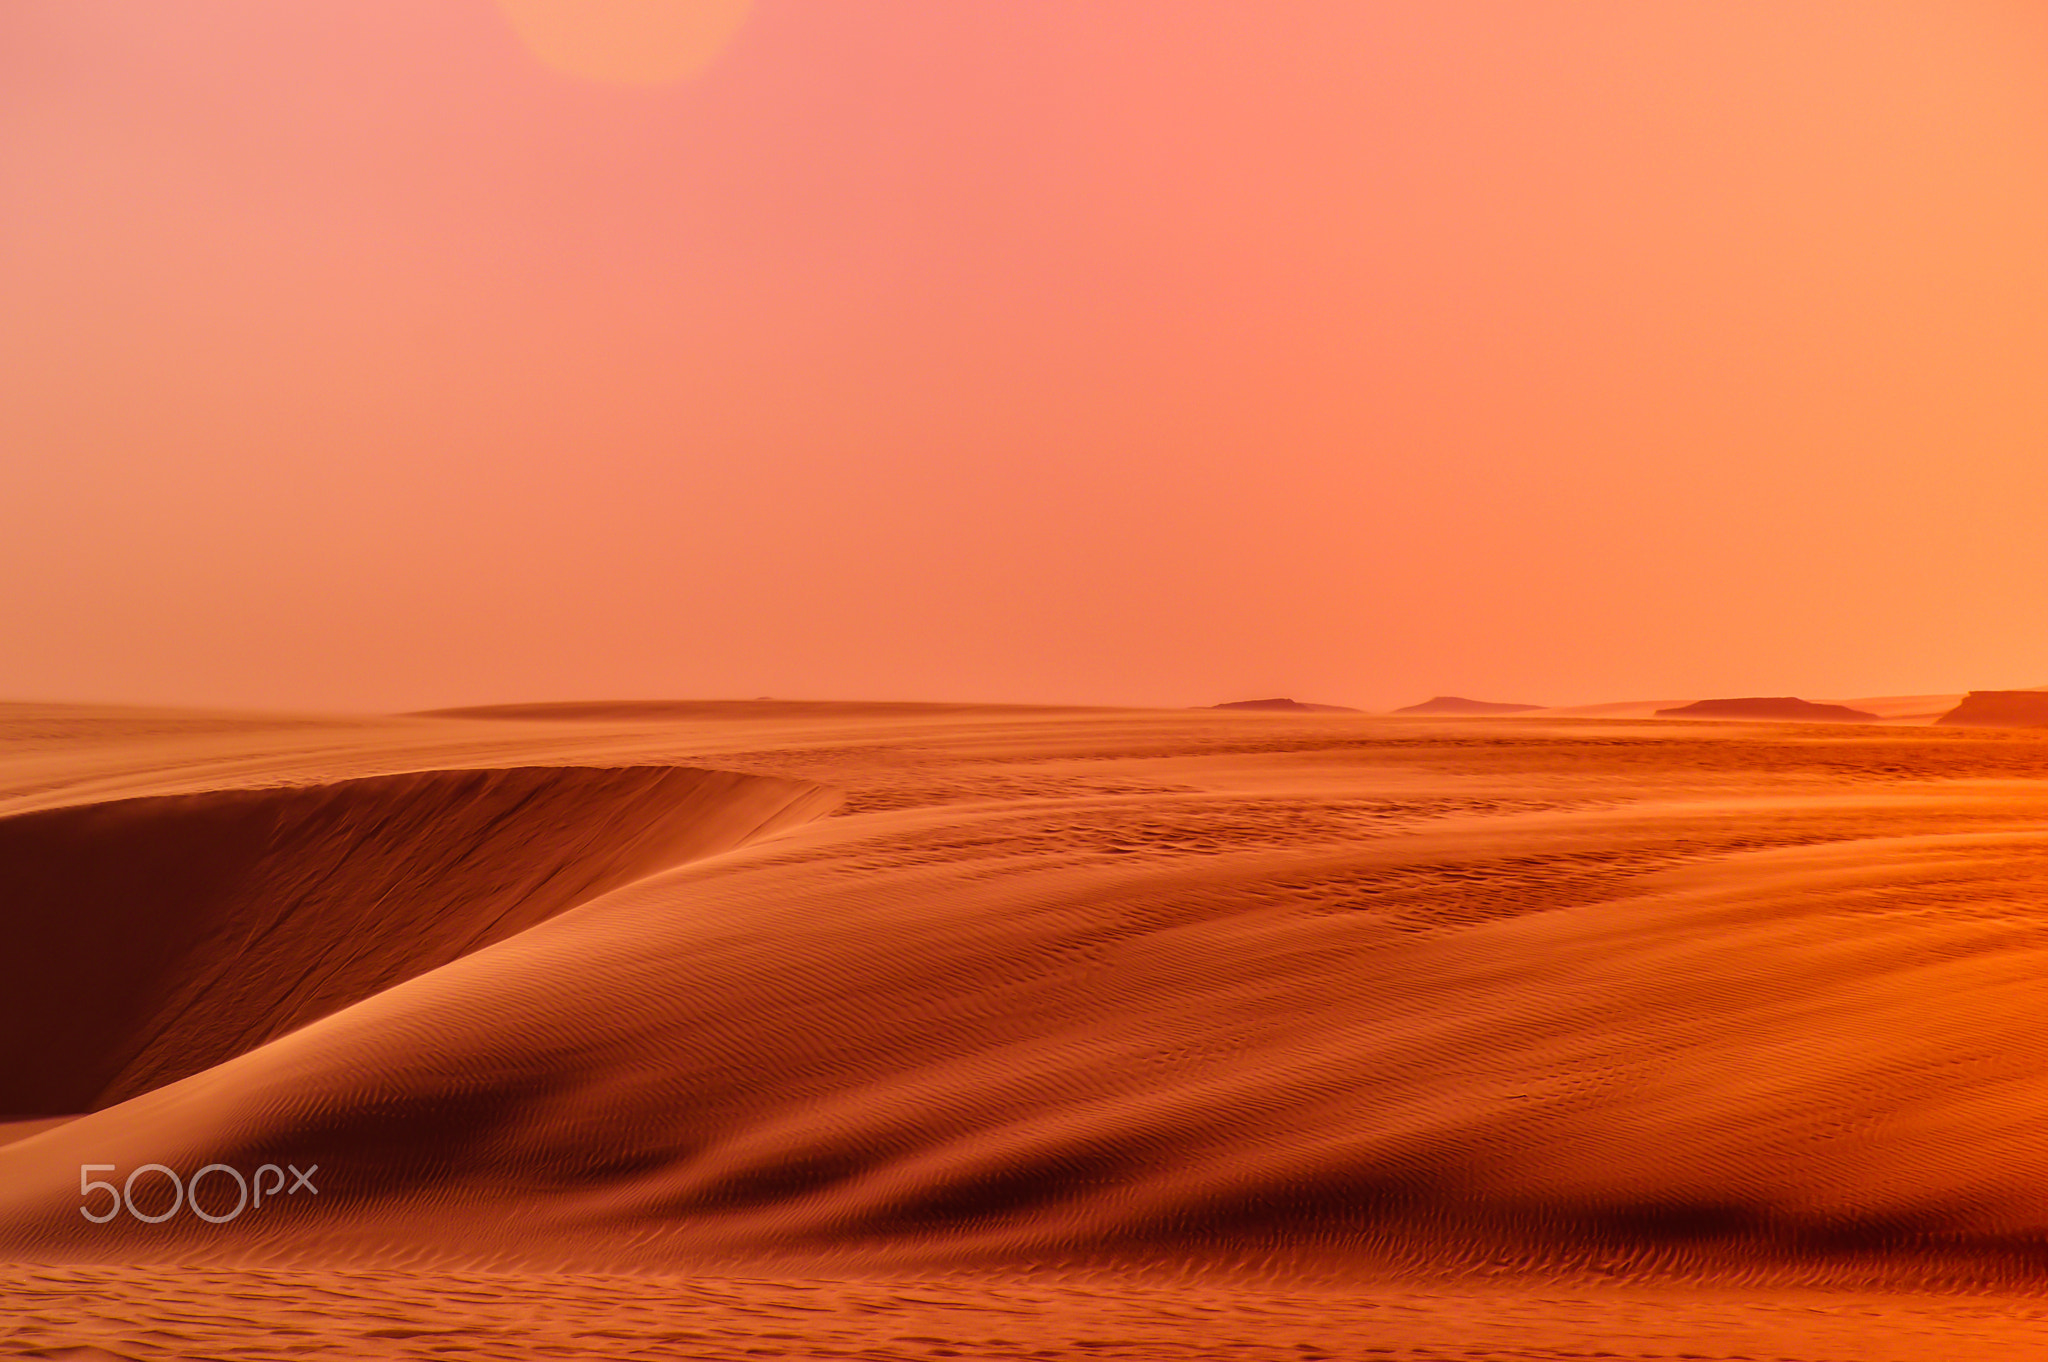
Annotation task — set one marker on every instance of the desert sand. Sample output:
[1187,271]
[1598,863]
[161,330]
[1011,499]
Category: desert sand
[727,1029]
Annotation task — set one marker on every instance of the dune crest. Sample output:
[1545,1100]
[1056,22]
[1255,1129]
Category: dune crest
[148,939]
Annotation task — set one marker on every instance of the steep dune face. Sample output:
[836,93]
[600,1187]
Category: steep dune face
[149,939]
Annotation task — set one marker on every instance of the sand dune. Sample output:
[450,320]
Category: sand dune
[1055,992]
[153,938]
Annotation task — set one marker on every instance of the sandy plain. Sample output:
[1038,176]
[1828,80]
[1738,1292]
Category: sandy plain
[803,1029]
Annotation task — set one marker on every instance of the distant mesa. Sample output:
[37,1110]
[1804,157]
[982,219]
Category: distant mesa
[1458,704]
[1287,707]
[1770,707]
[2000,709]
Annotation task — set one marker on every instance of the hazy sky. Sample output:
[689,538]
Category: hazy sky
[384,353]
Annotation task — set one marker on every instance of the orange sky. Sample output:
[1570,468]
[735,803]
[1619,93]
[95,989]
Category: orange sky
[358,354]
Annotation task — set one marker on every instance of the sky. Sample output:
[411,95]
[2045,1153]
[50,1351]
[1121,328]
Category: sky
[378,354]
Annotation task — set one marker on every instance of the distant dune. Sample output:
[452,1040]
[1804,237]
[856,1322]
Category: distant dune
[1287,707]
[1612,709]
[1770,707]
[1456,704]
[670,711]
[1905,708]
[2000,709]
[1901,709]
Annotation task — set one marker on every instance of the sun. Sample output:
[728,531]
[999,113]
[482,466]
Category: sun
[626,42]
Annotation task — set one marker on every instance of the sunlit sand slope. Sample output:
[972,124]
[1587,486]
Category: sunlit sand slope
[148,939]
[1509,994]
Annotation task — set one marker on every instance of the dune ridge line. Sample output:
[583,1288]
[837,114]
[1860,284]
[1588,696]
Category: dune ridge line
[151,938]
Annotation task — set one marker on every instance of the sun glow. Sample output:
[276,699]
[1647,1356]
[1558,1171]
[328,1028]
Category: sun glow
[626,42]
